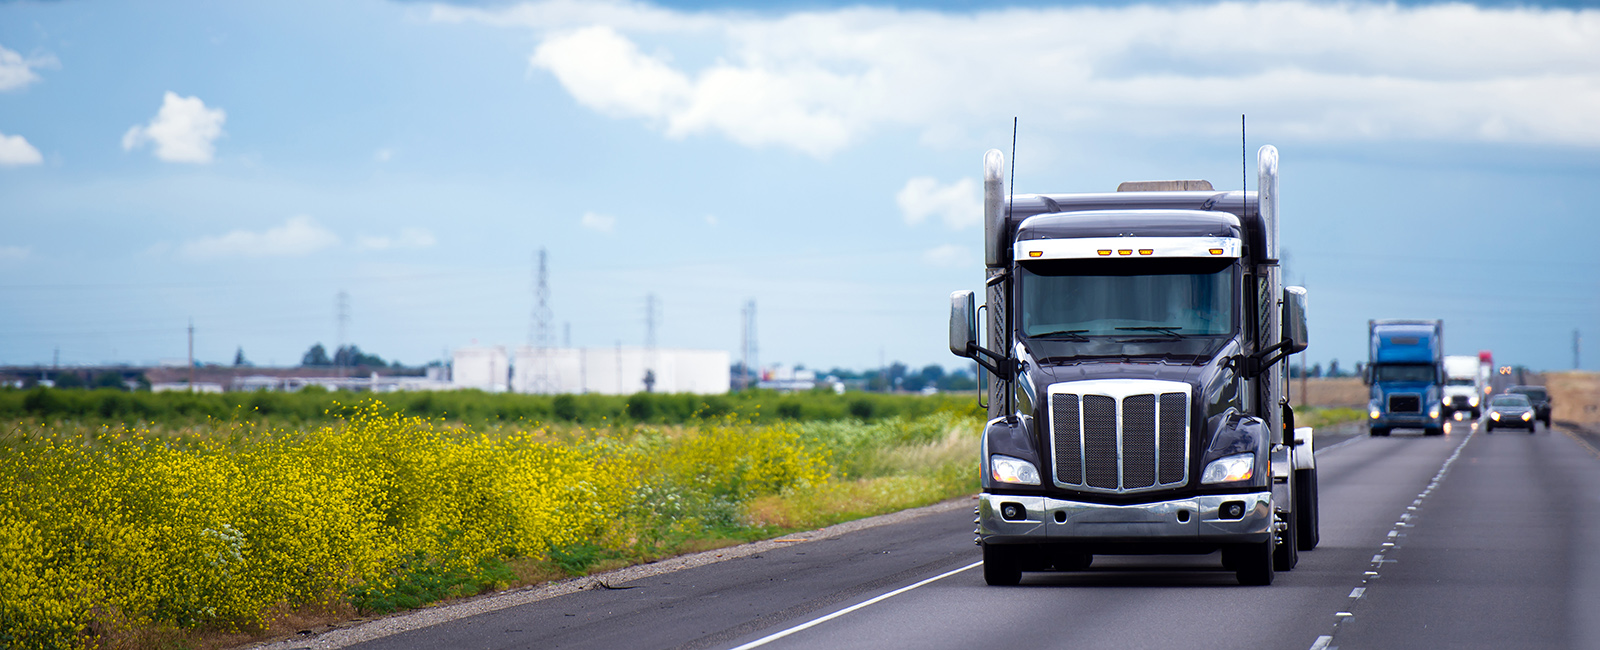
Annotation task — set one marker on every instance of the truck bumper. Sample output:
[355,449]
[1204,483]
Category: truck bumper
[1397,420]
[1179,522]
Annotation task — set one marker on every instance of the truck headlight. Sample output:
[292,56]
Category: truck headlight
[1374,413]
[1472,401]
[1433,413]
[1527,415]
[1006,469]
[1238,467]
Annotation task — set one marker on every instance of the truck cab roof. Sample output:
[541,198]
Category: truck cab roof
[1121,223]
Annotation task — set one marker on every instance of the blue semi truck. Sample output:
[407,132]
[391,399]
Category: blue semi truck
[1405,369]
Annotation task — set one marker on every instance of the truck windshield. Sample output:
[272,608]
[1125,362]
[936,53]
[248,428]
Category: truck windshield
[1170,298]
[1456,381]
[1412,372]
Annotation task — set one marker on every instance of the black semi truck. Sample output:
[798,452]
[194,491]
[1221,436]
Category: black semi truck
[1135,347]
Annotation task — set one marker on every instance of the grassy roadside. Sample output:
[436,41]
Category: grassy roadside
[214,533]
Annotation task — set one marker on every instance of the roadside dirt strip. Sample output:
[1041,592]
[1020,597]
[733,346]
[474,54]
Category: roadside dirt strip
[360,632]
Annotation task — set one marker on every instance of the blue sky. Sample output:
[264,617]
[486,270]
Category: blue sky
[242,163]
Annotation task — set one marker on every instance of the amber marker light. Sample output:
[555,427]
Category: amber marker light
[1216,251]
[1103,252]
[1125,251]
[1035,253]
[1147,251]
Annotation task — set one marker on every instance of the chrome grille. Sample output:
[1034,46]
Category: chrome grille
[1068,442]
[1119,435]
[1174,435]
[1411,403]
[1100,441]
[1138,441]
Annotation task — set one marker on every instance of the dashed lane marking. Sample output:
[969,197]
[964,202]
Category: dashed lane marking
[1325,641]
[818,621]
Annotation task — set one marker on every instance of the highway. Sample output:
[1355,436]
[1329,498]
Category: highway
[1469,540]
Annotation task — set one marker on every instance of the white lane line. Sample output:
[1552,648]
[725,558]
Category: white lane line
[1324,642]
[778,635]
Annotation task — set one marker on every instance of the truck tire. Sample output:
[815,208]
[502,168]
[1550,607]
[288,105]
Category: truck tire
[1000,566]
[1305,489]
[1477,413]
[1433,431]
[1380,431]
[1253,563]
[1287,554]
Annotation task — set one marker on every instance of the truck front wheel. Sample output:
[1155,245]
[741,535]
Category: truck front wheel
[1287,554]
[1252,562]
[1380,431]
[1000,566]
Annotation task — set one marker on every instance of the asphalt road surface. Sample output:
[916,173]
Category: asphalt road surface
[1470,540]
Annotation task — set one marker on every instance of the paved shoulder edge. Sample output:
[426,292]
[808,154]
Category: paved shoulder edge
[416,619]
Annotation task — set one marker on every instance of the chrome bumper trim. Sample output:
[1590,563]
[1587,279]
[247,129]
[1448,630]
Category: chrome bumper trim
[1155,522]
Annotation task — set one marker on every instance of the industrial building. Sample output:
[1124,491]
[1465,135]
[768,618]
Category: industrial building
[608,371]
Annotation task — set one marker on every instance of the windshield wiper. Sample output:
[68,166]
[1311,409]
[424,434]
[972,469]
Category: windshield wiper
[1076,335]
[1170,330]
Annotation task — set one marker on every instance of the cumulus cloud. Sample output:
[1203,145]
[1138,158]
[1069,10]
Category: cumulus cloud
[820,81]
[17,72]
[15,253]
[948,256]
[408,238]
[297,237]
[184,130]
[15,151]
[598,222]
[958,204]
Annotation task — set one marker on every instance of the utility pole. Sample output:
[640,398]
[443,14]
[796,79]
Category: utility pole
[342,306]
[749,360]
[539,330]
[1577,347]
[650,342]
[191,355]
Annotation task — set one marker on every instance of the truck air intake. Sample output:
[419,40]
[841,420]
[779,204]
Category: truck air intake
[1117,440]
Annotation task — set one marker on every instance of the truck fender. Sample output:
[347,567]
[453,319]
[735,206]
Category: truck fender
[1012,437]
[1304,449]
[1233,432]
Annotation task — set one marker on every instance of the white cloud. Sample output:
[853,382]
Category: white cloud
[408,238]
[948,256]
[820,81]
[297,237]
[959,204]
[15,253]
[383,155]
[17,72]
[711,220]
[598,222]
[184,130]
[15,151]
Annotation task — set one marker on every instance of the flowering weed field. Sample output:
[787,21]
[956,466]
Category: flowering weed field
[214,533]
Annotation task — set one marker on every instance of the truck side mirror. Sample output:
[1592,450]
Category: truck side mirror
[1294,319]
[963,324]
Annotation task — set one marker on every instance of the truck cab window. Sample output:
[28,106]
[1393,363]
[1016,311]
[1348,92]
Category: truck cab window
[1175,298]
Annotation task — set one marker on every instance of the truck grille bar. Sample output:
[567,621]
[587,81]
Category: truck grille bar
[1119,435]
[1405,403]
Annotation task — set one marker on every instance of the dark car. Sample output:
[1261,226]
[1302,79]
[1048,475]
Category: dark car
[1539,397]
[1510,410]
